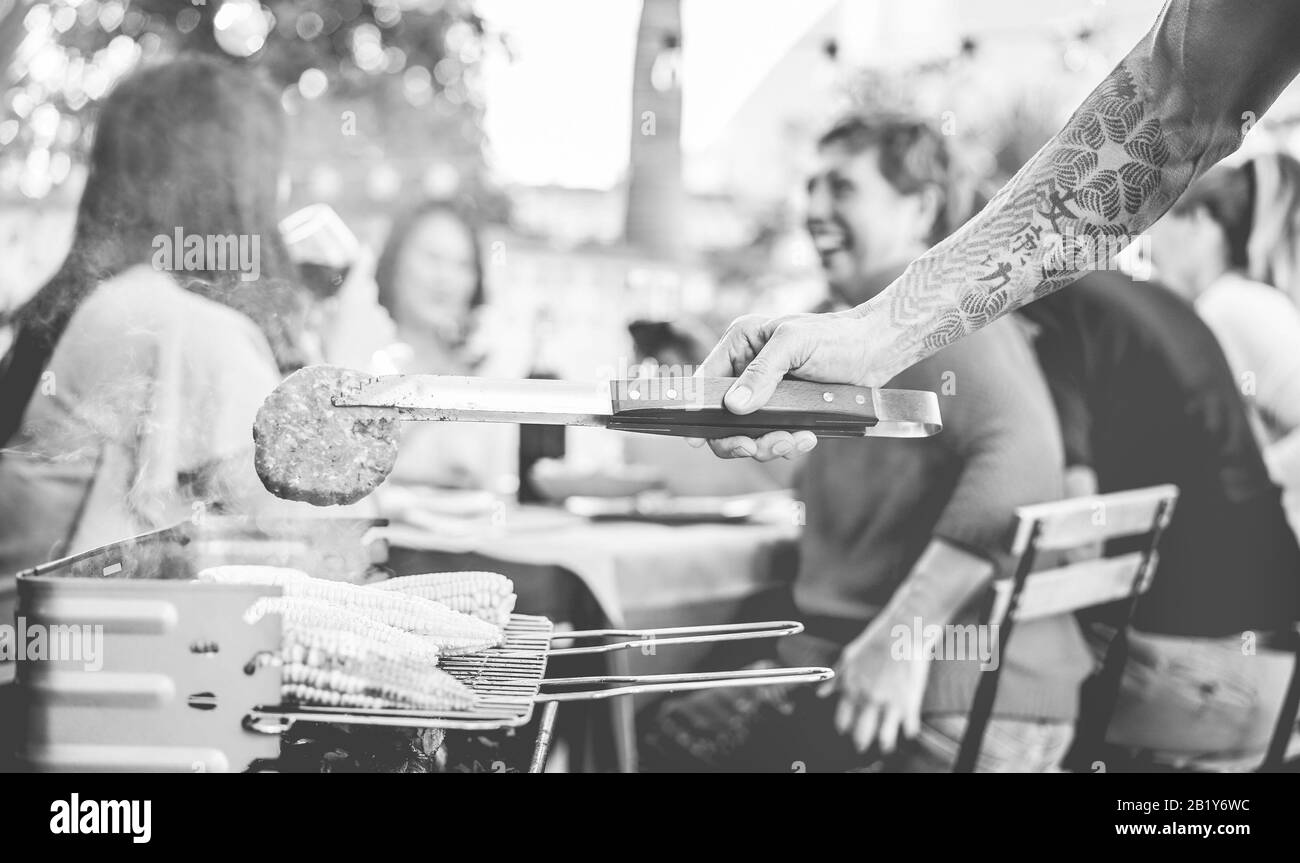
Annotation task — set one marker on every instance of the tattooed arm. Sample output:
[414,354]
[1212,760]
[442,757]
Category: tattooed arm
[1178,103]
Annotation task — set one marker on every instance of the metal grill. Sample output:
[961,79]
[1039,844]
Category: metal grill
[506,678]
[510,679]
[165,629]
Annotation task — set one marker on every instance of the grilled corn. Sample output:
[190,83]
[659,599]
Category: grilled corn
[451,631]
[337,657]
[364,688]
[488,596]
[316,624]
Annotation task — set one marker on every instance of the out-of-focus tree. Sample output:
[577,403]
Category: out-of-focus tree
[62,56]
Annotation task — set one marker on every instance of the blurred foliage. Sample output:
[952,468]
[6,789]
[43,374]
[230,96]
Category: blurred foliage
[62,56]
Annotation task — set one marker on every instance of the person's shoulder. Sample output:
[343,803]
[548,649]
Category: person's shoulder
[1142,315]
[1236,296]
[144,304]
[144,294]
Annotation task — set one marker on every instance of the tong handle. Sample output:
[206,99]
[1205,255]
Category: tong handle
[618,686]
[673,635]
[692,406]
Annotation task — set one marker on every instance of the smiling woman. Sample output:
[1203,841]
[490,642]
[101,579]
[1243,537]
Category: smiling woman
[431,281]
[430,278]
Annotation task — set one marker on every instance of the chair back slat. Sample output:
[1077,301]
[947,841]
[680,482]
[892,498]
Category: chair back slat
[1075,523]
[1072,587]
[1082,521]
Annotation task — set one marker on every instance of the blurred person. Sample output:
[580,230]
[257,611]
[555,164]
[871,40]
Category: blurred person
[1204,248]
[1146,397]
[671,347]
[133,379]
[1273,246]
[430,279]
[907,534]
[1180,101]
[136,371]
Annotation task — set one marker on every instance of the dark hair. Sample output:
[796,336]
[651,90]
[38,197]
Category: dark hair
[193,143]
[1227,194]
[387,264]
[912,156]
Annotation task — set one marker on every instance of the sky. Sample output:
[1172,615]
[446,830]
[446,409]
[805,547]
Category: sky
[560,113]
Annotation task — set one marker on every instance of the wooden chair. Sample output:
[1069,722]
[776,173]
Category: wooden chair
[1060,526]
[1275,760]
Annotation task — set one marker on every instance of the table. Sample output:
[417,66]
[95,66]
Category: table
[631,574]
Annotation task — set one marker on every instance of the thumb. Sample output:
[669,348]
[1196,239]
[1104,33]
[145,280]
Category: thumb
[757,383]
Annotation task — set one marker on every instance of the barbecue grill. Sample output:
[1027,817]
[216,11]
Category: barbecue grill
[510,681]
[185,684]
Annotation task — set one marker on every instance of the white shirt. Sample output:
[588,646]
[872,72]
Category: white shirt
[1258,327]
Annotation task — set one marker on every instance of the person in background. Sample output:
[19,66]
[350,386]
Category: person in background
[430,279]
[134,384]
[130,388]
[1146,397]
[906,532]
[1204,249]
[1273,247]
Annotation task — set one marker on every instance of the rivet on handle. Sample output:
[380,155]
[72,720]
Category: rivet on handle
[828,397]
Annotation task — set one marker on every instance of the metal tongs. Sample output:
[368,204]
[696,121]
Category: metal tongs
[609,686]
[679,406]
[555,690]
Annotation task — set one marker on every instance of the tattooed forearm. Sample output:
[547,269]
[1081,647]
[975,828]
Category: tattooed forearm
[1102,181]
[1171,109]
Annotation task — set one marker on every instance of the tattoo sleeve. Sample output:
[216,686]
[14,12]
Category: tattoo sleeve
[1179,102]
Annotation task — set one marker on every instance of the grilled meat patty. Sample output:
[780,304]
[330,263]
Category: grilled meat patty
[309,450]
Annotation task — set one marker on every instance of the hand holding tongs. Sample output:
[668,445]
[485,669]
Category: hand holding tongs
[682,406]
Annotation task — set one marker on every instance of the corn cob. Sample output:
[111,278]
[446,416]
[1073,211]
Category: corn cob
[335,656]
[316,624]
[451,631]
[267,576]
[318,646]
[488,596]
[434,690]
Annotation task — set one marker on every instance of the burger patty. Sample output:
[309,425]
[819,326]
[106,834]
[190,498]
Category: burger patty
[309,450]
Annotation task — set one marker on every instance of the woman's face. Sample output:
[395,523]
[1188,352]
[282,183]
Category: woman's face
[436,276]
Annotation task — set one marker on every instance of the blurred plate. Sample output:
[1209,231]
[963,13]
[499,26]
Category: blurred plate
[557,480]
[667,509]
[401,500]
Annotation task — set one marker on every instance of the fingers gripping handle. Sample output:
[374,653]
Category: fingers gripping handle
[693,407]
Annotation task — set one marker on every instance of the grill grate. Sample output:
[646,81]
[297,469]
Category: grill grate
[507,679]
